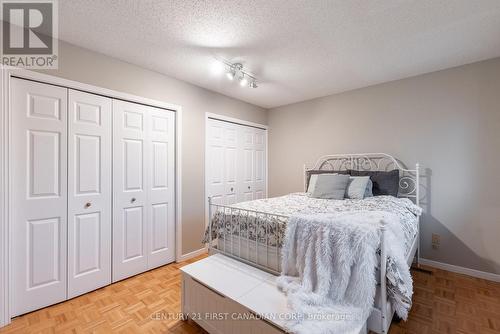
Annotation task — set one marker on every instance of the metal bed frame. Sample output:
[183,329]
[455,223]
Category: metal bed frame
[245,247]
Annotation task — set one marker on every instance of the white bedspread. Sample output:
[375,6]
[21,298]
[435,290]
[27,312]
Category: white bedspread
[329,263]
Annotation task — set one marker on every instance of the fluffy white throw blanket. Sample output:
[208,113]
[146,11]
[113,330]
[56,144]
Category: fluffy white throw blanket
[328,268]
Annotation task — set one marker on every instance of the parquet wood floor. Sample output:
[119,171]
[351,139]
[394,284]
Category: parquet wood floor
[444,302]
[450,303]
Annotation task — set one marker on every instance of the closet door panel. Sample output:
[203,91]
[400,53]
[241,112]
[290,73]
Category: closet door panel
[236,162]
[260,169]
[39,213]
[89,192]
[215,161]
[247,161]
[130,214]
[161,203]
[231,163]
[133,233]
[222,162]
[231,170]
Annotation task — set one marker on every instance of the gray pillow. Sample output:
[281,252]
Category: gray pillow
[384,183]
[356,187]
[330,186]
[369,189]
[312,182]
[312,172]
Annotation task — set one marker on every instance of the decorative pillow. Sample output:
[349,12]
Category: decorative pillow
[369,189]
[384,183]
[312,183]
[330,186]
[312,172]
[357,187]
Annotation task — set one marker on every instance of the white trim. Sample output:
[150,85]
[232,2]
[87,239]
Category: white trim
[461,270]
[267,163]
[205,173]
[5,186]
[4,204]
[53,80]
[178,183]
[192,254]
[234,120]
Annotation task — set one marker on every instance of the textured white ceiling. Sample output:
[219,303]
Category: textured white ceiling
[298,49]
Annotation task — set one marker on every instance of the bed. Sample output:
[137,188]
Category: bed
[253,231]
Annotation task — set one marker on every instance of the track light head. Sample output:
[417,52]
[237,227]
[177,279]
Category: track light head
[243,80]
[253,84]
[218,67]
[231,73]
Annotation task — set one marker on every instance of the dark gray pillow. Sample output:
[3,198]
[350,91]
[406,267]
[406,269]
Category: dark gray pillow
[384,183]
[330,186]
[320,171]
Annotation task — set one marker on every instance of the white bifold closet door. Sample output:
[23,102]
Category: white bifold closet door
[89,192]
[236,162]
[143,176]
[222,162]
[73,156]
[253,162]
[38,167]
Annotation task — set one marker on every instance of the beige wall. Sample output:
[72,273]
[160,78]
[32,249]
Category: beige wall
[92,68]
[449,121]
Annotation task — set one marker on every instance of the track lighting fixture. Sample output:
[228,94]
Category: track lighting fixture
[236,71]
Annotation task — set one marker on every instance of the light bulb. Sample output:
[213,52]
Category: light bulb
[243,81]
[230,74]
[217,67]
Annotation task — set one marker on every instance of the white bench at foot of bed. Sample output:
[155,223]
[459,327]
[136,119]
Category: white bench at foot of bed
[226,296]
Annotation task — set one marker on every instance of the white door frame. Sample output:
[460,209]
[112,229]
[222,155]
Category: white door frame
[6,187]
[4,204]
[209,115]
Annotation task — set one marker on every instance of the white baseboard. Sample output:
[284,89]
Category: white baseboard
[192,254]
[461,270]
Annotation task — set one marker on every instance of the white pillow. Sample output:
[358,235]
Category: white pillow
[330,186]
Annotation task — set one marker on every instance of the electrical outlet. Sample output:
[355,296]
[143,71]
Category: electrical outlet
[436,240]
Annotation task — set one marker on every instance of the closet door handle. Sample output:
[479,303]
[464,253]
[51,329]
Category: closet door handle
[132,200]
[248,187]
[87,205]
[231,189]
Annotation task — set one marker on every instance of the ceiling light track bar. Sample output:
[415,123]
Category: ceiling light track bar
[237,71]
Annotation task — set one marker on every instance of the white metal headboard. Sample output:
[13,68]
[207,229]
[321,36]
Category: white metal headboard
[408,178]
